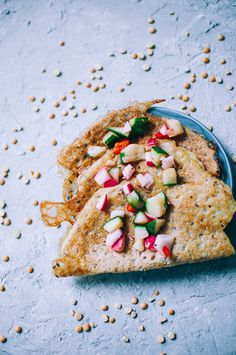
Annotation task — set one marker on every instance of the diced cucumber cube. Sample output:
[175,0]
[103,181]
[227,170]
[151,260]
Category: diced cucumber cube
[140,218]
[118,131]
[156,205]
[113,224]
[140,232]
[169,177]
[154,226]
[135,200]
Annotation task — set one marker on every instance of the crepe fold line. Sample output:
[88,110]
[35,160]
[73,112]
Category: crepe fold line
[200,208]
[79,186]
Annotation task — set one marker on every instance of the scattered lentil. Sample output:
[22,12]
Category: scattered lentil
[105,318]
[56,104]
[14,141]
[5,258]
[171,335]
[187,85]
[146,67]
[143,306]
[88,85]
[152,30]
[121,89]
[63,98]
[18,329]
[123,50]
[28,220]
[57,72]
[118,305]
[112,319]
[229,87]
[104,307]
[161,339]
[32,98]
[7,222]
[141,328]
[78,329]
[156,292]
[171,312]
[2,288]
[205,60]
[78,316]
[219,80]
[185,98]
[3,339]
[222,61]
[96,88]
[98,67]
[150,52]
[35,203]
[53,142]
[30,269]
[125,339]
[212,78]
[36,174]
[65,113]
[220,37]
[16,234]
[31,148]
[134,300]
[204,75]
[86,327]
[163,320]
[161,303]
[150,20]
[134,55]
[133,314]
[192,108]
[227,108]
[128,310]
[2,181]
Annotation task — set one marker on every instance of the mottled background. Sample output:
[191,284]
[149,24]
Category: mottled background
[203,295]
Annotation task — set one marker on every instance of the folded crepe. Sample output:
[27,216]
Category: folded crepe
[113,232]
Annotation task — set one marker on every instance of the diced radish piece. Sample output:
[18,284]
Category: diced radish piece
[117,213]
[102,203]
[163,244]
[150,216]
[145,180]
[110,183]
[115,173]
[126,128]
[128,188]
[174,127]
[149,242]
[102,176]
[128,171]
[164,130]
[148,180]
[149,160]
[168,162]
[119,245]
[151,142]
[141,180]
[113,237]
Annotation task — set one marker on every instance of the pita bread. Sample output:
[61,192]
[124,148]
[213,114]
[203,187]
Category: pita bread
[201,205]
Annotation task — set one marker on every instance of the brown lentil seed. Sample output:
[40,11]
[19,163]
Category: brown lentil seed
[2,181]
[78,316]
[204,75]
[5,258]
[125,339]
[30,269]
[112,319]
[32,98]
[222,61]
[88,85]
[206,50]
[134,300]
[141,328]
[104,307]
[78,329]
[18,329]
[143,306]
[156,292]
[150,20]
[187,85]
[86,327]
[227,108]
[161,303]
[212,78]
[7,221]
[192,108]
[152,30]
[53,142]
[134,56]
[3,339]
[185,98]
[2,288]
[205,60]
[220,37]
[171,312]
[28,220]
[14,141]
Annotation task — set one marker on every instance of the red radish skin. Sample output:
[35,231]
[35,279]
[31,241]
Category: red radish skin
[102,203]
[102,176]
[159,135]
[119,245]
[128,188]
[150,216]
[151,142]
[150,163]
[166,251]
[149,243]
[110,183]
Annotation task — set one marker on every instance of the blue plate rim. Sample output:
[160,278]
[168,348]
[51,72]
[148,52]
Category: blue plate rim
[225,165]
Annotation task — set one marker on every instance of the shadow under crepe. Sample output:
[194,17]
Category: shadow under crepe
[196,271]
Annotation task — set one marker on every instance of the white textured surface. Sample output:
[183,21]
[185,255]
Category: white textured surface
[203,295]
